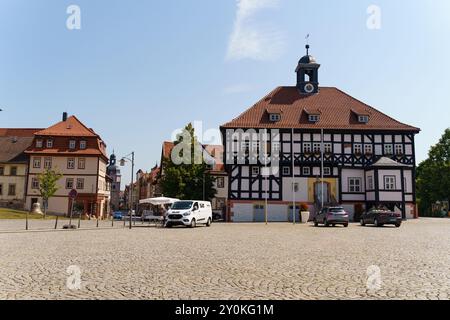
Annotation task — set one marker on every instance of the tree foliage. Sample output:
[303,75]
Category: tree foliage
[433,175]
[191,180]
[48,186]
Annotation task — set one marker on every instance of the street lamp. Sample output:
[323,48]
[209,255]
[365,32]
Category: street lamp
[122,164]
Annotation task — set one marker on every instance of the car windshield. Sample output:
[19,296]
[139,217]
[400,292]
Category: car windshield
[182,205]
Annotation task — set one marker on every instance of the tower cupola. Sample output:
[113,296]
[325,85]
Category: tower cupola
[308,74]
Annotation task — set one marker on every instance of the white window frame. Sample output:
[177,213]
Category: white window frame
[327,147]
[71,163]
[354,187]
[35,183]
[307,147]
[368,149]
[317,147]
[72,144]
[275,117]
[399,149]
[370,182]
[83,145]
[389,183]
[363,119]
[37,162]
[39,143]
[286,171]
[48,163]
[49,143]
[313,118]
[69,183]
[306,171]
[388,149]
[357,148]
[80,183]
[81,161]
[327,171]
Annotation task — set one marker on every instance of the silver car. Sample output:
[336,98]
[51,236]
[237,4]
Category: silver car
[332,216]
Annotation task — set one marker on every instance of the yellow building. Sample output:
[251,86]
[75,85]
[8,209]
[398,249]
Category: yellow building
[14,166]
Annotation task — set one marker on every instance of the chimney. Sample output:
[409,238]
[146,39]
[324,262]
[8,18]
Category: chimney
[64,117]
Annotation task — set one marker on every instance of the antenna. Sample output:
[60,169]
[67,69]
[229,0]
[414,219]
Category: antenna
[307,44]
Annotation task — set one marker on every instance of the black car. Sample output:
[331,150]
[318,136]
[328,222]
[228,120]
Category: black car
[380,217]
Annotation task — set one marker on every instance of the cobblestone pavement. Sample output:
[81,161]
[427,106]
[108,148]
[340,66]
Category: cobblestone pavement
[228,261]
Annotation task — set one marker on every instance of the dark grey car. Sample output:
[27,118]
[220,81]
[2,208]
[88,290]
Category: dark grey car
[380,217]
[332,216]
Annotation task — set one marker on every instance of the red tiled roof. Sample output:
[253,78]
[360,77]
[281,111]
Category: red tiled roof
[17,132]
[72,127]
[64,130]
[337,110]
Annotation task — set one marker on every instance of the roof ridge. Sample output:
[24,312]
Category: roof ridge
[375,109]
[254,105]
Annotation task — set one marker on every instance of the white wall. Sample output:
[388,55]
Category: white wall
[301,195]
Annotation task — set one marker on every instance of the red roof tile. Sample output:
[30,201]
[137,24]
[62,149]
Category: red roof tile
[337,110]
[72,127]
[17,132]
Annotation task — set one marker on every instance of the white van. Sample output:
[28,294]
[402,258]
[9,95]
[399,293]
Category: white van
[189,213]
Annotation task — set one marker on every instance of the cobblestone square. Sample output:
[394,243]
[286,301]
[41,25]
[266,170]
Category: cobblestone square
[227,261]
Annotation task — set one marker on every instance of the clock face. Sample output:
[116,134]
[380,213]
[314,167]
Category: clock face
[309,88]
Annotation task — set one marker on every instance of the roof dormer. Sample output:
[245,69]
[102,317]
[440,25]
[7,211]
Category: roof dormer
[362,116]
[274,113]
[313,115]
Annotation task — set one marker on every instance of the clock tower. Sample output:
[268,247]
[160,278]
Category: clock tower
[308,74]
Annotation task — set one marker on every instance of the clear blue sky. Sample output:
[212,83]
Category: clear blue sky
[137,70]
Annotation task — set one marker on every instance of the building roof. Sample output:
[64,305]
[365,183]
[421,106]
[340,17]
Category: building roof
[72,127]
[387,162]
[215,151]
[337,110]
[13,143]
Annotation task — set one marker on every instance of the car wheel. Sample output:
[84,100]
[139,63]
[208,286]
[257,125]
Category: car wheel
[208,224]
[168,225]
[346,225]
[333,225]
[326,223]
[193,223]
[376,223]
[316,223]
[398,225]
[362,222]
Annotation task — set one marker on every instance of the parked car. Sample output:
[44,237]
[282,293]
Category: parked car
[118,215]
[218,216]
[189,213]
[332,216]
[380,217]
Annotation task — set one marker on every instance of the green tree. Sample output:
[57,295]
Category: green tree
[47,186]
[433,175]
[190,179]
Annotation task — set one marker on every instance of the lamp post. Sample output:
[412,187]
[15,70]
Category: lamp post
[122,164]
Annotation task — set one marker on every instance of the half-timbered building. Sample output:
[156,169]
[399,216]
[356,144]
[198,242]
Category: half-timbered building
[327,145]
